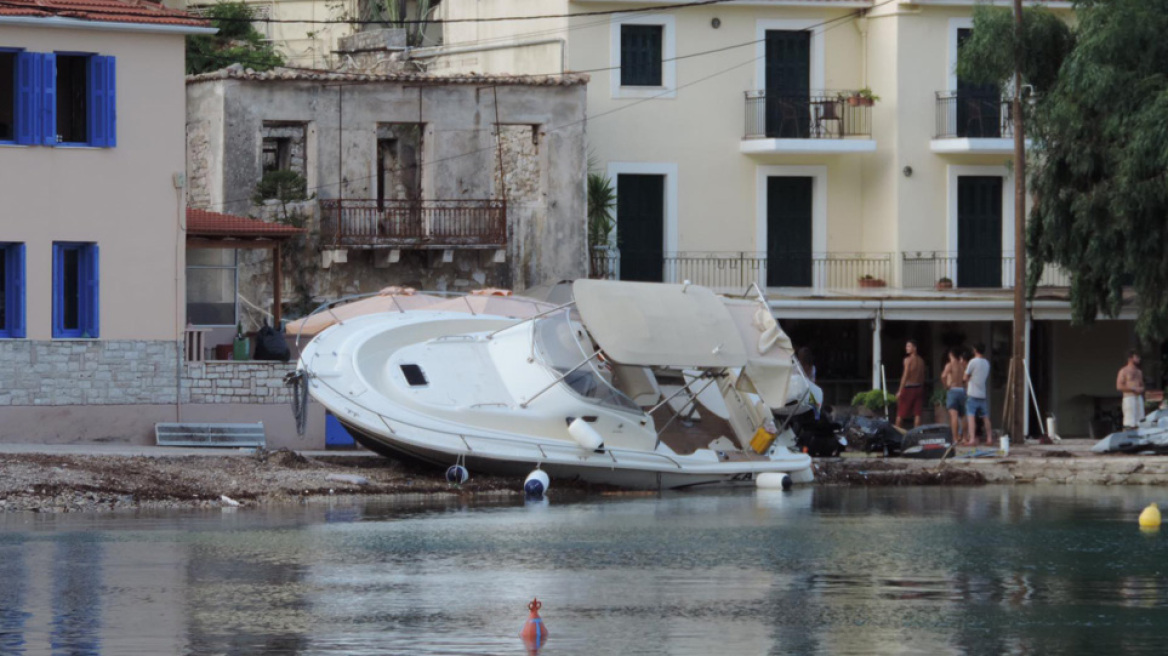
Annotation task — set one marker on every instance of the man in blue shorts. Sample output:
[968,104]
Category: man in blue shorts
[977,399]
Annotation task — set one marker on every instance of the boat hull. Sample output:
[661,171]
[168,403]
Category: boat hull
[617,476]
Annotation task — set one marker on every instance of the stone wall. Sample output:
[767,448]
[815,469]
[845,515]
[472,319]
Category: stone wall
[131,372]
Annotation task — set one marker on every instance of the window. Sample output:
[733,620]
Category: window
[7,96]
[58,99]
[11,290]
[277,154]
[72,98]
[75,290]
[641,55]
[211,283]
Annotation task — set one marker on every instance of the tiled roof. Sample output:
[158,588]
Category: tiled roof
[238,72]
[201,223]
[109,11]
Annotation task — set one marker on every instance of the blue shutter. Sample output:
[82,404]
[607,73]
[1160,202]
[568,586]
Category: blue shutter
[48,99]
[16,291]
[91,293]
[101,89]
[58,290]
[28,74]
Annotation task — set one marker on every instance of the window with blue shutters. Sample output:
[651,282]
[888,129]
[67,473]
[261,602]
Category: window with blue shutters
[11,290]
[641,57]
[76,286]
[52,99]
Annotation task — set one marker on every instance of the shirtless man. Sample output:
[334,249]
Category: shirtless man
[910,398]
[952,377]
[1131,382]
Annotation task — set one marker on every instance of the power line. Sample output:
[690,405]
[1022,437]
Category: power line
[342,21]
[827,25]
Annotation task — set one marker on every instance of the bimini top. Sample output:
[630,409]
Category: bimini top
[653,324]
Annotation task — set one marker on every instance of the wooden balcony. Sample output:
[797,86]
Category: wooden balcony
[366,223]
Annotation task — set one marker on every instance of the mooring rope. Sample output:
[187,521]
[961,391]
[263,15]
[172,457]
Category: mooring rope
[298,381]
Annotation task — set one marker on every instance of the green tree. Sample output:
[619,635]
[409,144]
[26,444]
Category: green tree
[1099,162]
[237,42]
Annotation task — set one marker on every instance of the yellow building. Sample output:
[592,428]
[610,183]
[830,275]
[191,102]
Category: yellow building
[824,150]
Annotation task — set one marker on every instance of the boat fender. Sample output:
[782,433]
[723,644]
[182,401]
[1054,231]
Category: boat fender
[1150,518]
[457,475]
[773,481]
[534,632]
[585,435]
[536,484]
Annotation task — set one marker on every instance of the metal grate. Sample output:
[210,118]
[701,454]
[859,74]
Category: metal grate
[224,435]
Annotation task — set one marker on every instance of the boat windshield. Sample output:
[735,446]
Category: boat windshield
[565,346]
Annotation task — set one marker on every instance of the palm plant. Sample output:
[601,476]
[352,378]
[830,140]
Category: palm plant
[601,202]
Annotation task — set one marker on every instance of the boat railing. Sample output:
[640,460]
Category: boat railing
[571,450]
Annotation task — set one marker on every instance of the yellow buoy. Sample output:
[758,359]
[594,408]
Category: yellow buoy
[1150,518]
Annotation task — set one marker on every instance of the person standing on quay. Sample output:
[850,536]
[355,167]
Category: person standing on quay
[977,400]
[953,378]
[910,398]
[1131,383]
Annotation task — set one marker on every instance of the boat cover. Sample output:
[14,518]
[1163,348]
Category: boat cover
[659,325]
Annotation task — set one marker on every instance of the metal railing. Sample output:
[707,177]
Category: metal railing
[739,269]
[810,115]
[941,270]
[366,222]
[963,115]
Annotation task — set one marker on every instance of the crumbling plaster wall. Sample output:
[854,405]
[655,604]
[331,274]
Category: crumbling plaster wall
[545,176]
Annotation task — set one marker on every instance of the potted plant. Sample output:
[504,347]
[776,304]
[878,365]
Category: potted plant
[601,203]
[863,98]
[239,346]
[944,283]
[873,402]
[868,280]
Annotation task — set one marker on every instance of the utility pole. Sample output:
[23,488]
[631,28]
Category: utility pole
[1017,428]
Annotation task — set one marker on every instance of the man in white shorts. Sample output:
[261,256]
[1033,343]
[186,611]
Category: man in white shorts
[1131,382]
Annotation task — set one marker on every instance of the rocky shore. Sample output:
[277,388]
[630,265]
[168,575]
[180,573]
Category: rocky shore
[59,483]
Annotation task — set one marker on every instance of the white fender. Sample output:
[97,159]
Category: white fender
[585,435]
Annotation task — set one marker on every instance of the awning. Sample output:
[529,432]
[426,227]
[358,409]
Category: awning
[202,224]
[652,324]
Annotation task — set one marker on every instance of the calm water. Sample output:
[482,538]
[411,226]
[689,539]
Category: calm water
[829,571]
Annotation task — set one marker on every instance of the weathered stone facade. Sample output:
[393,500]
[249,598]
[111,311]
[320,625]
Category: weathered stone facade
[129,372]
[399,137]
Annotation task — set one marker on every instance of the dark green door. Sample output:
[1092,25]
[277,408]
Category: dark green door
[979,231]
[979,106]
[640,226]
[788,232]
[788,84]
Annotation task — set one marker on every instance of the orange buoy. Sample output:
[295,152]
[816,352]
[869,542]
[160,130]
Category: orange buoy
[534,631]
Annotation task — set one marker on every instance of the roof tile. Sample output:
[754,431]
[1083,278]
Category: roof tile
[108,11]
[202,223]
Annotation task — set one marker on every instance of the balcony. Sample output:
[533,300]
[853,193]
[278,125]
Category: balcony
[817,122]
[925,269]
[974,123]
[738,270]
[363,223]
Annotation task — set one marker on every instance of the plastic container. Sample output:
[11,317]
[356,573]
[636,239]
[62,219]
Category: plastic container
[1004,448]
[762,440]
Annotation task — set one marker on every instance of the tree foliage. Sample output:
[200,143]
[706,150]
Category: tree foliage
[237,42]
[1099,160]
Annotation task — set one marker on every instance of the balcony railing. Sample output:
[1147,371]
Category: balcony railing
[962,115]
[926,269]
[811,115]
[418,223]
[736,270]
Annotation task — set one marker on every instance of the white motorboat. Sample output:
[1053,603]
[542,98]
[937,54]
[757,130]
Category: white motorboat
[639,385]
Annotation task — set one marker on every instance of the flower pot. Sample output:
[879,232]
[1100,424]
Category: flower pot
[872,282]
[944,284]
[866,102]
[854,101]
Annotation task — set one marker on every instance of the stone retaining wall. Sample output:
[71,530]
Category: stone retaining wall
[128,372]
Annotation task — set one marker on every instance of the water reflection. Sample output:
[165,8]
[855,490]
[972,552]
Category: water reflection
[814,571]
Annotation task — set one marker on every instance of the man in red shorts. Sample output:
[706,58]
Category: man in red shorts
[910,399]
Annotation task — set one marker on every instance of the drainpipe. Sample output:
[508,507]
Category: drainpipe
[877,328]
[861,24]
[180,183]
